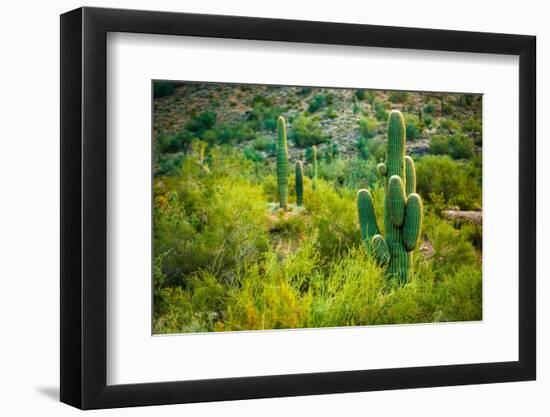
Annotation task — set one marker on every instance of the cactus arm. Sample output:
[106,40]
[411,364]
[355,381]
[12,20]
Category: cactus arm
[410,176]
[382,170]
[380,250]
[299,184]
[282,162]
[367,216]
[413,222]
[397,200]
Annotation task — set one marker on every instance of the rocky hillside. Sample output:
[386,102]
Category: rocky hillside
[336,118]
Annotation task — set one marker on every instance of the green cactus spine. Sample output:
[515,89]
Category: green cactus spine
[282,163]
[299,184]
[314,168]
[402,207]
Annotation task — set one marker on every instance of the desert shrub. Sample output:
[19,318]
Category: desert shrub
[331,152]
[305,91]
[233,133]
[202,122]
[472,125]
[429,109]
[264,114]
[462,147]
[428,121]
[168,164]
[465,100]
[331,112]
[413,127]
[473,233]
[362,147]
[368,127]
[360,94]
[449,124]
[306,131]
[359,173]
[439,145]
[380,111]
[457,182]
[458,146]
[261,143]
[318,102]
[452,249]
[376,148]
[163,89]
[252,154]
[399,96]
[210,218]
[334,217]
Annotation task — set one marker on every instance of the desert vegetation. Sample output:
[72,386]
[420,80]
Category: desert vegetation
[259,221]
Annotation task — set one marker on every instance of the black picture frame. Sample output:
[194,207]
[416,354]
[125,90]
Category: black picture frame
[84,207]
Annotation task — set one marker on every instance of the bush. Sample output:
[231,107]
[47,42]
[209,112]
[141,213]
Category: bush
[360,94]
[458,146]
[457,182]
[306,131]
[399,96]
[331,112]
[368,127]
[429,109]
[449,124]
[439,145]
[413,127]
[163,89]
[204,121]
[380,112]
[472,125]
[319,101]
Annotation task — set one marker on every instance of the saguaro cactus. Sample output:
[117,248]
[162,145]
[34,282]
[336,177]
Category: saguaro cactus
[402,207]
[282,163]
[314,168]
[299,183]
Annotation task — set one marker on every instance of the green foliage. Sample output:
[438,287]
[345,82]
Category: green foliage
[413,127]
[458,146]
[449,124]
[253,155]
[201,123]
[163,89]
[318,102]
[472,125]
[376,148]
[368,127]
[305,91]
[306,131]
[458,183]
[399,96]
[226,257]
[264,114]
[380,111]
[429,109]
[360,94]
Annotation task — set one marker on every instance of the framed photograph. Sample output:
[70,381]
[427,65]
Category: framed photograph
[257,208]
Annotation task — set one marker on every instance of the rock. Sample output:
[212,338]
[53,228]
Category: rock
[464,216]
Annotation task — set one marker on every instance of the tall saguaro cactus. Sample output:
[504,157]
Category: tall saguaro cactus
[402,207]
[282,163]
[299,184]
[314,168]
